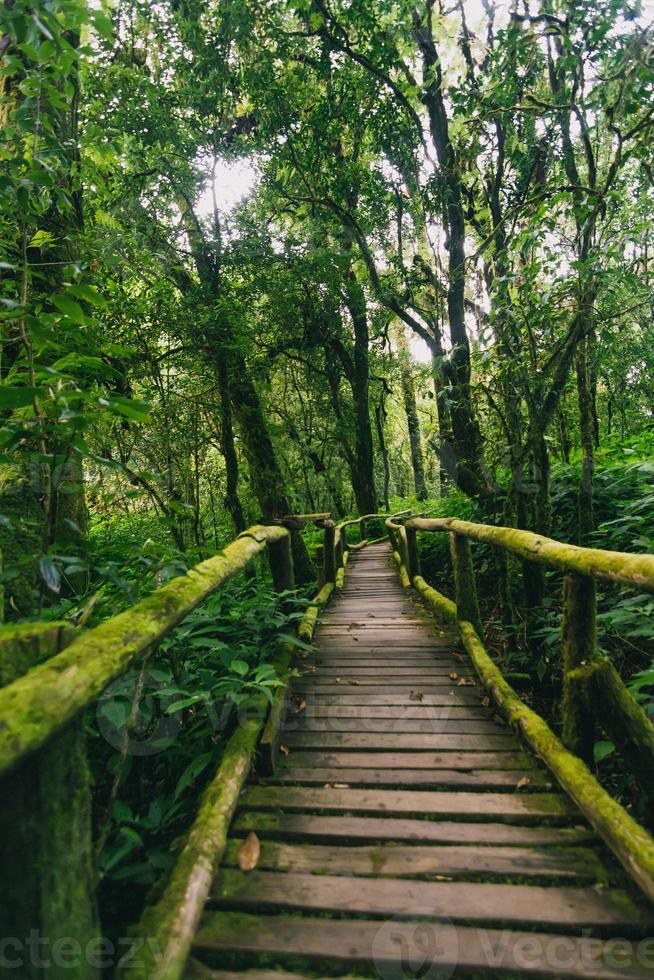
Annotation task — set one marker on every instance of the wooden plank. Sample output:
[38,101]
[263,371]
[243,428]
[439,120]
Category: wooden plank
[512,779]
[377,742]
[373,659]
[410,861]
[522,905]
[290,826]
[509,807]
[382,670]
[400,726]
[319,688]
[385,950]
[376,680]
[198,971]
[414,710]
[458,697]
[462,761]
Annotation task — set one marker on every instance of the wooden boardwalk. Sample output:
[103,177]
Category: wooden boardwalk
[407,832]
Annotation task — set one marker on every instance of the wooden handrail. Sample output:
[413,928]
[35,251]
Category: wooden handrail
[588,682]
[42,702]
[636,571]
[366,517]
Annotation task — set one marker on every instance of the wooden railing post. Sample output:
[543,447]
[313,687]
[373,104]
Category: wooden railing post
[339,560]
[280,559]
[46,843]
[362,529]
[579,634]
[467,605]
[329,558]
[320,566]
[413,561]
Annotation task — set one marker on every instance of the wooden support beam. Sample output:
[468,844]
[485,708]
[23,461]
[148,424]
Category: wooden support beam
[464,581]
[280,557]
[46,845]
[320,566]
[579,643]
[329,557]
[620,717]
[413,560]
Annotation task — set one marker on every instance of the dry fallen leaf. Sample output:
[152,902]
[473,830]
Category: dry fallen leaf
[485,702]
[453,675]
[523,782]
[283,749]
[416,695]
[465,682]
[300,708]
[341,785]
[249,852]
[356,683]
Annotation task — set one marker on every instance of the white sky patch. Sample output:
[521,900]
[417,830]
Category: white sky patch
[419,350]
[234,181]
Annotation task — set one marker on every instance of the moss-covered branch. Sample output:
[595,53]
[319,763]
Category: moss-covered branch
[170,924]
[41,703]
[613,566]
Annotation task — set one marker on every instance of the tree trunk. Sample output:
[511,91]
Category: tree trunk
[267,479]
[364,470]
[411,410]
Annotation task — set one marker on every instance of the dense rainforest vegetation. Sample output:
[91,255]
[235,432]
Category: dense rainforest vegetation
[261,257]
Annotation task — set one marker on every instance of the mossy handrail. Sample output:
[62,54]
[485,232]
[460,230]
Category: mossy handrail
[632,570]
[38,705]
[587,679]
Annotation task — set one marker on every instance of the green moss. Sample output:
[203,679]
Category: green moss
[377,859]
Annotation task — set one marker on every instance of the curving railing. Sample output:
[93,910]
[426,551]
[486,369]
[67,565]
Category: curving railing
[593,692]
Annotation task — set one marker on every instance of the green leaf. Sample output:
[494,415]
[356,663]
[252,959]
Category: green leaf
[239,667]
[601,750]
[69,307]
[191,773]
[18,397]
[129,408]
[50,573]
[89,294]
[102,24]
[41,238]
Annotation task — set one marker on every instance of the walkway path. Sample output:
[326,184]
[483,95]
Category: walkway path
[408,827]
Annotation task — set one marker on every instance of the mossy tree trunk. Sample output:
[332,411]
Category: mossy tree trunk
[411,411]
